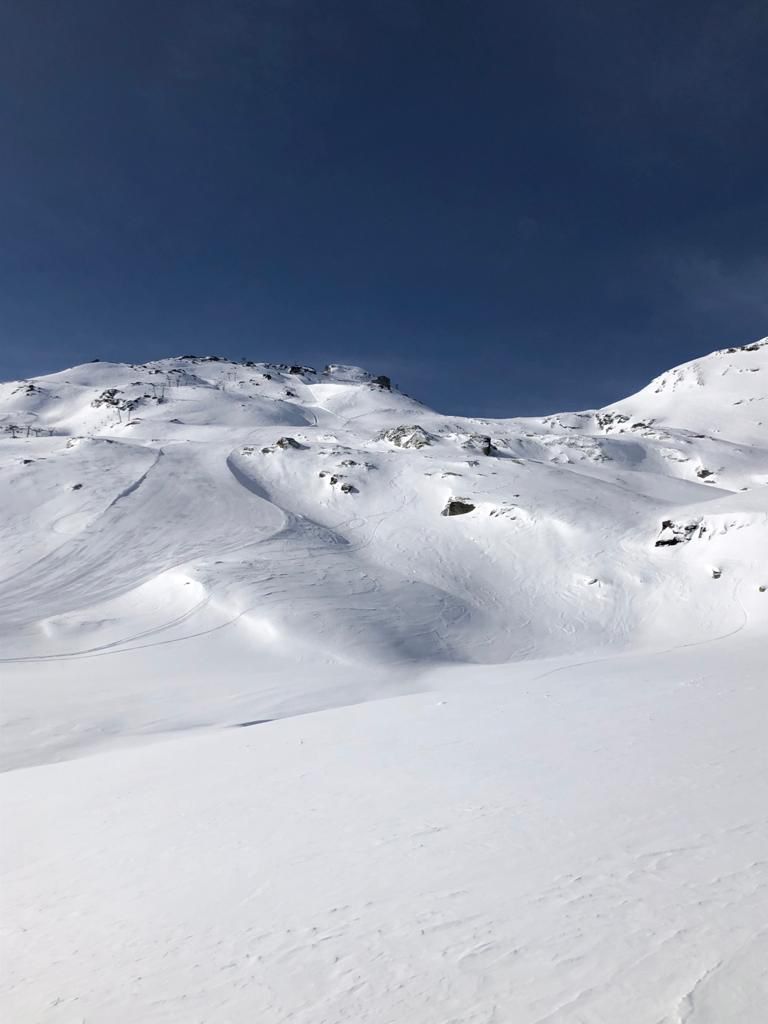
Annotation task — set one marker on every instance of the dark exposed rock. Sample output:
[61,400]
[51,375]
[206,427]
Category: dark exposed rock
[480,443]
[679,533]
[457,507]
[110,398]
[610,420]
[382,381]
[703,473]
[348,489]
[285,443]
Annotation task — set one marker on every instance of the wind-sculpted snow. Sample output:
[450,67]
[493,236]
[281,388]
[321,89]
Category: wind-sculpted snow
[196,544]
[552,843]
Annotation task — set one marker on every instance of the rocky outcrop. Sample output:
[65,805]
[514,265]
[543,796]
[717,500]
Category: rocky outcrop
[679,533]
[406,437]
[284,443]
[610,420]
[457,507]
[110,398]
[480,443]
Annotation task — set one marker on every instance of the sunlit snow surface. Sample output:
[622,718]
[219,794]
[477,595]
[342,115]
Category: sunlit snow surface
[213,814]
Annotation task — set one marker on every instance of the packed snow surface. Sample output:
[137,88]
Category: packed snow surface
[320,706]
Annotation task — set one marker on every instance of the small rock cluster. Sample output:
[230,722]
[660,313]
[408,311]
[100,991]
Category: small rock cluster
[336,478]
[679,533]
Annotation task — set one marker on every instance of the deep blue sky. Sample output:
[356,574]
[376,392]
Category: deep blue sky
[511,206]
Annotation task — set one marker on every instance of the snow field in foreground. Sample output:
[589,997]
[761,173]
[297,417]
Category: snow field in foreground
[572,844]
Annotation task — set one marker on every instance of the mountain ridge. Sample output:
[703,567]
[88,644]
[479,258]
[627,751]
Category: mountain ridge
[266,518]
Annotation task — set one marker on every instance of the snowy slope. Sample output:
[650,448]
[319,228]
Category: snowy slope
[539,823]
[154,526]
[680,396]
[588,846]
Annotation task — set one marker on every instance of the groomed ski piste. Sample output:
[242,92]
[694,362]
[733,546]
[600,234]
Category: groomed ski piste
[320,706]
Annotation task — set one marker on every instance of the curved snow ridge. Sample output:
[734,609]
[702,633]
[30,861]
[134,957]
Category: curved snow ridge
[133,487]
[153,599]
[731,989]
[183,507]
[291,521]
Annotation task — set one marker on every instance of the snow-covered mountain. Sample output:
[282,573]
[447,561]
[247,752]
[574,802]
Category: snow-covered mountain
[289,526]
[194,543]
